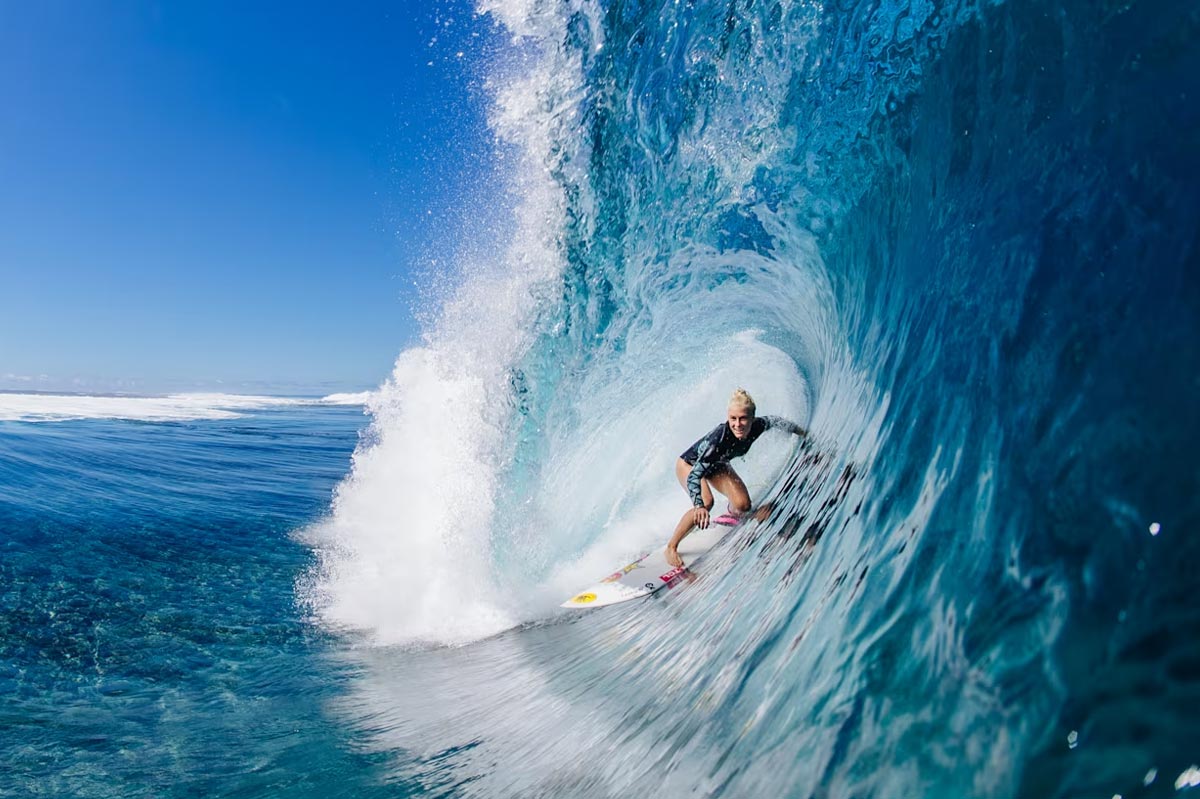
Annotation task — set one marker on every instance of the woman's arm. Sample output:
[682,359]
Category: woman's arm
[703,448]
[785,424]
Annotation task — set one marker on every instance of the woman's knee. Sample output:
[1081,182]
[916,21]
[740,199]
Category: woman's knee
[741,503]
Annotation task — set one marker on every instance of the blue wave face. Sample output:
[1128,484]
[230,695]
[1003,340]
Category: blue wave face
[958,243]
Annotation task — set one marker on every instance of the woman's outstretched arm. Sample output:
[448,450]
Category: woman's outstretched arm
[786,425]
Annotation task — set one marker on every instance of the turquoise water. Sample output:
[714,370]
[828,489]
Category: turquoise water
[150,641]
[956,241]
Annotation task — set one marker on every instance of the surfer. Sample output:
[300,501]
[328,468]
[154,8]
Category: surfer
[705,466]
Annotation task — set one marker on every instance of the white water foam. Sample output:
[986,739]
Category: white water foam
[354,398]
[405,556]
[173,407]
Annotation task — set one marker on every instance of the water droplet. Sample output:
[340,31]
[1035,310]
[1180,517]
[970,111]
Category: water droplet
[1190,778]
[1155,528]
[1150,775]
[1072,739]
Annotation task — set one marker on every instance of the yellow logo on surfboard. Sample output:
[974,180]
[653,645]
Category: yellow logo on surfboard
[584,598]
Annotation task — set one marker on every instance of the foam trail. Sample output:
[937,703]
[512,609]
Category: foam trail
[174,407]
[352,398]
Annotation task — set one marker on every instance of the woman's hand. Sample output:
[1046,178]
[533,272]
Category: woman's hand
[700,517]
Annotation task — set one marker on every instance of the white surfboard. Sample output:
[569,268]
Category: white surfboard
[650,571]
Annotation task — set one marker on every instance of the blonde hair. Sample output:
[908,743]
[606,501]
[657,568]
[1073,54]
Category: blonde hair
[741,399]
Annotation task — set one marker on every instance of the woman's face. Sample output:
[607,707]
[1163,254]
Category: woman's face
[740,419]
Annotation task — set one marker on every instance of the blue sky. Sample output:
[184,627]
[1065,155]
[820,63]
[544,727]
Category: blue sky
[227,196]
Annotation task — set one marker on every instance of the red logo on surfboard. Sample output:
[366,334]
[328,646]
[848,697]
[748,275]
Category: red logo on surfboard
[673,574]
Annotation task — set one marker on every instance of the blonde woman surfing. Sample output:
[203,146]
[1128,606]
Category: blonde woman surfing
[705,466]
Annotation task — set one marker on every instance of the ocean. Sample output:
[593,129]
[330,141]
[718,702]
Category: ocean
[955,241]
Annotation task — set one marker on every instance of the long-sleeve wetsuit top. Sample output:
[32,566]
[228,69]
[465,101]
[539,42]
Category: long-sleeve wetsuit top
[719,446]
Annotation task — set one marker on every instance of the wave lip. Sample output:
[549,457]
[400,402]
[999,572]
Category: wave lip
[18,407]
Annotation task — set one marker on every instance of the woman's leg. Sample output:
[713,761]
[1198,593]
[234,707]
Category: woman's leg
[727,481]
[687,523]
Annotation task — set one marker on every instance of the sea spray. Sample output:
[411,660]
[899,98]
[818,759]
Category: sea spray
[406,553]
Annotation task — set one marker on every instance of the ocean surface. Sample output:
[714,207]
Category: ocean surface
[956,241]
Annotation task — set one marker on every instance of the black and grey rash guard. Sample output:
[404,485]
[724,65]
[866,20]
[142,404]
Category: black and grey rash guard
[719,446]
